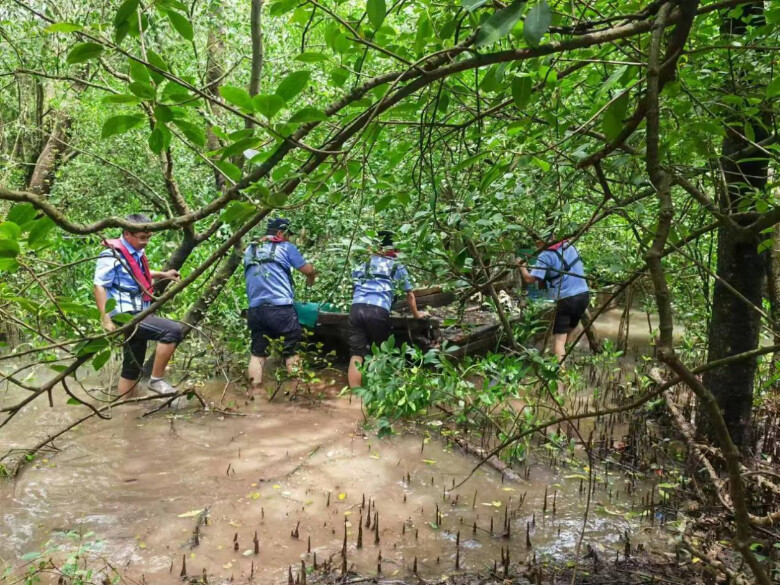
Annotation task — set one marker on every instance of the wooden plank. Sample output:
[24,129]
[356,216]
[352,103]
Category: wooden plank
[440,299]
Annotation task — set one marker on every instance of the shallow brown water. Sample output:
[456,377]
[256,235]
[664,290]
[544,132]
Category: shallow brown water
[137,483]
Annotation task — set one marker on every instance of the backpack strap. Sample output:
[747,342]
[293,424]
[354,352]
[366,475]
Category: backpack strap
[368,275]
[553,280]
[271,259]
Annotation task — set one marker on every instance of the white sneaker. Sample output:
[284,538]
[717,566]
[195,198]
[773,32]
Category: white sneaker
[160,387]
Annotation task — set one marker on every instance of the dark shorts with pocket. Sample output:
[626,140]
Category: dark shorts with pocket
[152,328]
[368,324]
[268,322]
[569,311]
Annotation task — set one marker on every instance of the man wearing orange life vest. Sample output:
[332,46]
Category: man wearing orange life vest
[122,273]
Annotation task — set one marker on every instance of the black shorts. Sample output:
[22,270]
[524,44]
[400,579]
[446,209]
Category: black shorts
[569,311]
[152,328]
[368,324]
[268,322]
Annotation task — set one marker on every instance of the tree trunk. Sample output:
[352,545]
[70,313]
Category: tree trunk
[773,289]
[199,308]
[735,323]
[46,165]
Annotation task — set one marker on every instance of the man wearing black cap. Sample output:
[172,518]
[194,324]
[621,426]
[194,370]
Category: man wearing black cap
[268,266]
[375,282]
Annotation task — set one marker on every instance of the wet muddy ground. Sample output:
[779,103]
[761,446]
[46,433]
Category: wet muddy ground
[296,474]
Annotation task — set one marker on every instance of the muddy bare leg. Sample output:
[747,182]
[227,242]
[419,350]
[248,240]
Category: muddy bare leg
[354,377]
[256,365]
[162,356]
[127,388]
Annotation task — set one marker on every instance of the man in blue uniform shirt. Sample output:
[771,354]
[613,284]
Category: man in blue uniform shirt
[268,266]
[122,273]
[375,282]
[558,269]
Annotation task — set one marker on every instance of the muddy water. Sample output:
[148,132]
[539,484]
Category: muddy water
[140,483]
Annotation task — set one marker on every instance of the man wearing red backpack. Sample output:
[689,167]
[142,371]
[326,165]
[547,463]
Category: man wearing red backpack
[122,274]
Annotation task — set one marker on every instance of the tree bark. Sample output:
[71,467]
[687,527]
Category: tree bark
[201,306]
[257,46]
[735,324]
[214,56]
[50,156]
[773,289]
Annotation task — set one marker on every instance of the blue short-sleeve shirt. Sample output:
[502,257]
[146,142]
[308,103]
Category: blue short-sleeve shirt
[113,274]
[270,282]
[548,265]
[377,285]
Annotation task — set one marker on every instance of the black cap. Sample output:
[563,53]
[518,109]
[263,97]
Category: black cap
[385,238]
[279,224]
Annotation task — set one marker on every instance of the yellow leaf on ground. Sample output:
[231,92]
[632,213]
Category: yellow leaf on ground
[277,486]
[190,514]
[342,496]
[227,565]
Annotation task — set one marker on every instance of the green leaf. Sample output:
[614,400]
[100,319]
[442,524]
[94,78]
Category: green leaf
[339,76]
[521,91]
[308,114]
[84,52]
[8,265]
[376,10]
[311,57]
[22,213]
[237,211]
[173,92]
[472,160]
[10,230]
[536,23]
[499,24]
[163,113]
[267,104]
[382,203]
[121,98]
[74,400]
[91,347]
[614,115]
[142,90]
[774,88]
[9,248]
[424,33]
[156,141]
[194,134]
[101,359]
[121,124]
[542,164]
[277,199]
[292,85]
[62,27]
[238,147]
[41,228]
[182,25]
[159,62]
[237,96]
[229,169]
[120,32]
[472,5]
[138,72]
[126,10]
